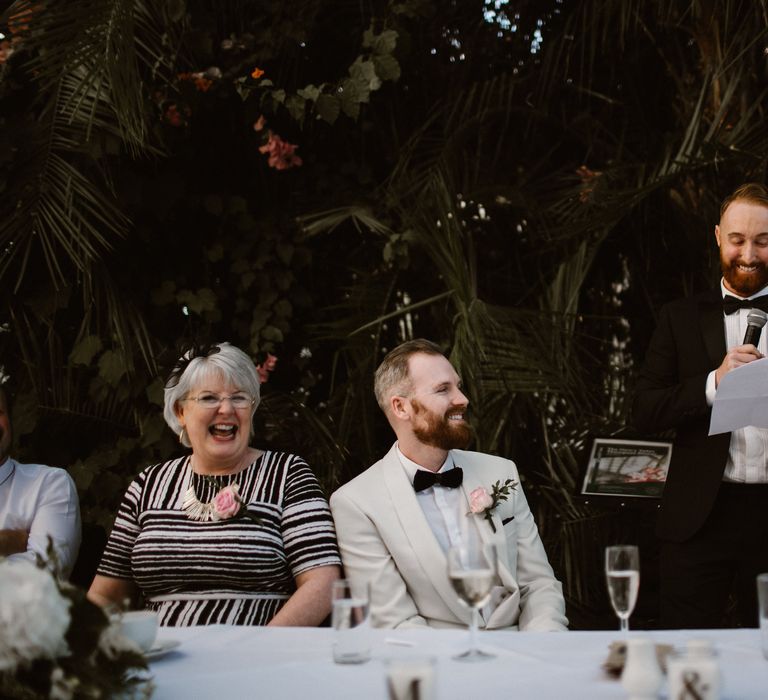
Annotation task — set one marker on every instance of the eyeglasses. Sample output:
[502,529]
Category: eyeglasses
[208,400]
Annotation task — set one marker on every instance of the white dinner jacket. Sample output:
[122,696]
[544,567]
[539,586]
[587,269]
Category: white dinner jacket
[386,541]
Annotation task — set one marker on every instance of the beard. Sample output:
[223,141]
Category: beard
[744,283]
[441,431]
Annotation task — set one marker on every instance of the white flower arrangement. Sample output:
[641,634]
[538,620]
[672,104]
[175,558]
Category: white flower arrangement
[34,616]
[57,645]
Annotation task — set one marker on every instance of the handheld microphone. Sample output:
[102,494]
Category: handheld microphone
[756,319]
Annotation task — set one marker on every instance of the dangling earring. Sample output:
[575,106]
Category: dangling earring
[181,435]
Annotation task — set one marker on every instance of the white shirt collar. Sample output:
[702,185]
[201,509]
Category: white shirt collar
[412,467]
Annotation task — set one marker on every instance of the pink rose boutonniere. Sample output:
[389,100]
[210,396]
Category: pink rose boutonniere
[480,501]
[228,504]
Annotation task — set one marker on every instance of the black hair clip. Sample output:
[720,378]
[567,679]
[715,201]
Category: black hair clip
[191,352]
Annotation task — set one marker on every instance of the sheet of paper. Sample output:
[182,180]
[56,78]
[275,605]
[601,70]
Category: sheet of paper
[741,399]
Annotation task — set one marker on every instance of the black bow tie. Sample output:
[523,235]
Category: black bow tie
[424,479]
[732,304]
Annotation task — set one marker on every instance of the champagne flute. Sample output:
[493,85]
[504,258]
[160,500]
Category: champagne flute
[622,572]
[472,572]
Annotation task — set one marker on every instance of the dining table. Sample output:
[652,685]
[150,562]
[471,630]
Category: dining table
[227,662]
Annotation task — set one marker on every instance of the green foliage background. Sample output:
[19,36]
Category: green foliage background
[524,182]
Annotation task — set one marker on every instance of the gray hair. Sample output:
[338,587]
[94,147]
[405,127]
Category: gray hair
[393,372]
[230,364]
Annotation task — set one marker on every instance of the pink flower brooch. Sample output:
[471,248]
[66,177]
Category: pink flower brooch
[224,505]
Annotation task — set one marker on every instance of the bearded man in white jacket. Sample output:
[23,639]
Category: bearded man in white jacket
[396,521]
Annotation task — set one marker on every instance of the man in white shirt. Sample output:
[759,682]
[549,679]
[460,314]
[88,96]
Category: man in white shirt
[396,520]
[36,503]
[713,522]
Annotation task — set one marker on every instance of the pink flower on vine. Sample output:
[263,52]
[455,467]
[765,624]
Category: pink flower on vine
[282,155]
[268,366]
[173,116]
[202,84]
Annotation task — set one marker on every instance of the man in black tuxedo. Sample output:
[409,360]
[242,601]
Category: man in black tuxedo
[714,517]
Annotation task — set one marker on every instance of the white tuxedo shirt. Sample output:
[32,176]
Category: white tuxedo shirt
[385,540]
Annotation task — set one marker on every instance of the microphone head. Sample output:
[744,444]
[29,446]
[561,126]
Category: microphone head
[757,317]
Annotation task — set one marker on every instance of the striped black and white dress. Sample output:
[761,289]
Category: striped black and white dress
[235,571]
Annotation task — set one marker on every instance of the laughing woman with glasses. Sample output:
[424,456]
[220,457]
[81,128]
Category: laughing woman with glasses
[229,534]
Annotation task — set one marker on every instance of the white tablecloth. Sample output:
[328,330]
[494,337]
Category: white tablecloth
[228,663]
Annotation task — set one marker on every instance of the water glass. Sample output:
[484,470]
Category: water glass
[351,620]
[762,604]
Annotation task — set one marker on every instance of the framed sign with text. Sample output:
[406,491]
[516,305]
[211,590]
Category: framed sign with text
[627,468]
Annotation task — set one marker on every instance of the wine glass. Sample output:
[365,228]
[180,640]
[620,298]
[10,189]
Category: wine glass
[622,572]
[472,572]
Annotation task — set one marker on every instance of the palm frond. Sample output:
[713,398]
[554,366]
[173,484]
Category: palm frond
[99,50]
[287,424]
[360,216]
[57,212]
